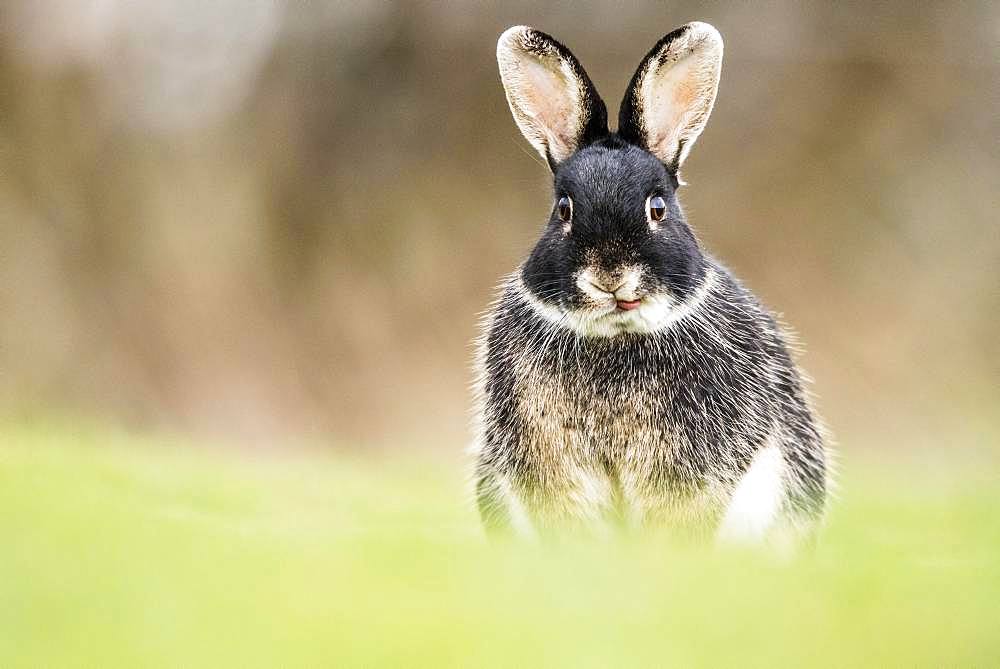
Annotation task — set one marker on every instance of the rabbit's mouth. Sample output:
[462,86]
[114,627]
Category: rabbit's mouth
[630,311]
[612,307]
[607,315]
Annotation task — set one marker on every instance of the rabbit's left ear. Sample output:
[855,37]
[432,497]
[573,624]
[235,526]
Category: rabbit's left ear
[550,95]
[671,95]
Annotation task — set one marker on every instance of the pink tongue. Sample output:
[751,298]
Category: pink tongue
[628,306]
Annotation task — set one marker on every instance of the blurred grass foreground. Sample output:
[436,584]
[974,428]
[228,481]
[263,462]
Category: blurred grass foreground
[126,551]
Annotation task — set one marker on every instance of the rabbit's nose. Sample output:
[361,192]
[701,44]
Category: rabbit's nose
[607,285]
[620,286]
[623,291]
[626,289]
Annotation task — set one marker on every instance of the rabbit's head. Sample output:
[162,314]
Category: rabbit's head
[616,255]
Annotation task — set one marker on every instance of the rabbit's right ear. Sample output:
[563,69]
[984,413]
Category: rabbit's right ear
[550,95]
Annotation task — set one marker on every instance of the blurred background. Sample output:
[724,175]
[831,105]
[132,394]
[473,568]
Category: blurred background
[272,221]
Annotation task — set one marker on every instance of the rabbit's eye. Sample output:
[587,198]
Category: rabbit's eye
[656,208]
[564,209]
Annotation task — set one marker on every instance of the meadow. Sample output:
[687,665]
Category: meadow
[125,550]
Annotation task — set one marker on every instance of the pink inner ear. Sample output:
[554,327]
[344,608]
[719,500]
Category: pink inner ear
[684,94]
[549,98]
[668,95]
[676,100]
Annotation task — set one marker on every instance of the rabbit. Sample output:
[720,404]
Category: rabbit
[624,376]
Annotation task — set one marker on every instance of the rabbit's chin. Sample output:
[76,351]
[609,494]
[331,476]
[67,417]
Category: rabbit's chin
[656,313]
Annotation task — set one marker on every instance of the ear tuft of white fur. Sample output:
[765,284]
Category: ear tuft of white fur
[674,91]
[545,92]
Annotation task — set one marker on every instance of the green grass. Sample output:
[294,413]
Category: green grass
[125,551]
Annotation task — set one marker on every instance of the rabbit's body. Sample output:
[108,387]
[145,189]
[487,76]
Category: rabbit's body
[645,429]
[623,374]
